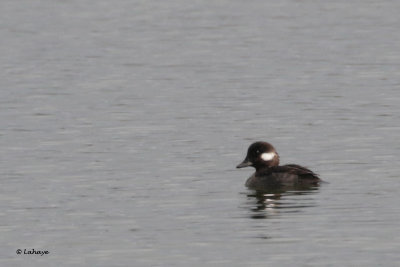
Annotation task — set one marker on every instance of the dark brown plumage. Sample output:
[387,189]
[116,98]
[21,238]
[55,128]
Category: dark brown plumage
[264,158]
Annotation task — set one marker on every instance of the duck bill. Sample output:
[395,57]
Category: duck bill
[245,163]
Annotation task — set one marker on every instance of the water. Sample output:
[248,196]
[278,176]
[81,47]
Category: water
[122,123]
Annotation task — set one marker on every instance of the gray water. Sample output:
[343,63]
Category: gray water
[122,123]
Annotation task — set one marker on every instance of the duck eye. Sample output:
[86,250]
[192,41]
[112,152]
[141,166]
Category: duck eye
[258,151]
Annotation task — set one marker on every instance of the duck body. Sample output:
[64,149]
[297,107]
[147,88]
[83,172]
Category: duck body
[264,158]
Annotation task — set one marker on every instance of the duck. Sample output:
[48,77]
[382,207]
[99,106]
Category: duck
[264,158]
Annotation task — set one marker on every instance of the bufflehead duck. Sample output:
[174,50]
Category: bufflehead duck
[264,158]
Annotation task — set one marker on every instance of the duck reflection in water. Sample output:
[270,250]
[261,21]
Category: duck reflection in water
[272,201]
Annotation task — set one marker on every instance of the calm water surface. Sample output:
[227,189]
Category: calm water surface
[122,123]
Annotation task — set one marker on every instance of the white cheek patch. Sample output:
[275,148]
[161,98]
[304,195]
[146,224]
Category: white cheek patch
[267,156]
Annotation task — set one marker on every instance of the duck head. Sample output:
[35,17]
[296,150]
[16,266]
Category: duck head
[260,155]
